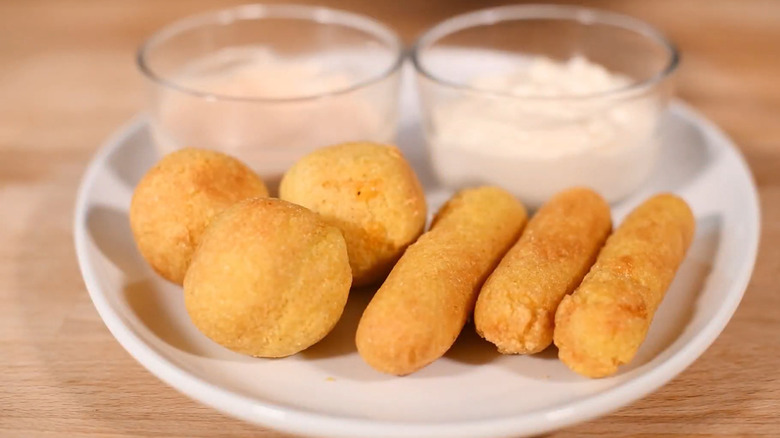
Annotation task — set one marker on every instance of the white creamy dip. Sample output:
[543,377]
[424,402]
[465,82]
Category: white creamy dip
[546,127]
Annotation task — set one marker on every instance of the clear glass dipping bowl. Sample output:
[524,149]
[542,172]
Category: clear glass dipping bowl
[537,142]
[270,83]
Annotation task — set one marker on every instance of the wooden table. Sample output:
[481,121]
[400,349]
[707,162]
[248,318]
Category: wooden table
[67,80]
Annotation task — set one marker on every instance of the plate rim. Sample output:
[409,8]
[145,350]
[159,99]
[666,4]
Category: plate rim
[301,421]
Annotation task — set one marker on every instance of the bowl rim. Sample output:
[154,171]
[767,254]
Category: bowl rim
[257,12]
[579,14]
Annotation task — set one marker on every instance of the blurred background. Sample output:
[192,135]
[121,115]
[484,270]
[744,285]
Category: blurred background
[68,79]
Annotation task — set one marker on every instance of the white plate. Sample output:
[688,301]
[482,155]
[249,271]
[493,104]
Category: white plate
[472,392]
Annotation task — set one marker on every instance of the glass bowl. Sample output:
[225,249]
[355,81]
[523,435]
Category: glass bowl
[270,83]
[537,99]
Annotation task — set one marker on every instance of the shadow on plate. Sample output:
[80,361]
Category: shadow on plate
[161,310]
[467,353]
[137,155]
[471,349]
[544,366]
[337,352]
[341,340]
[109,229]
[152,308]
[549,353]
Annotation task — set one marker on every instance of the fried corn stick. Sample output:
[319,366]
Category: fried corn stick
[516,306]
[603,323]
[418,312]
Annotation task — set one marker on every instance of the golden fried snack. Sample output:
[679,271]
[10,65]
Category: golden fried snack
[269,279]
[418,312]
[602,324]
[176,200]
[370,193]
[516,306]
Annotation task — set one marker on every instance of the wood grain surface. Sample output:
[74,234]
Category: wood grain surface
[68,79]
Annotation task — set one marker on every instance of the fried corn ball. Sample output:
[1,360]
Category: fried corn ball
[370,193]
[175,201]
[516,306]
[418,312]
[269,279]
[603,323]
